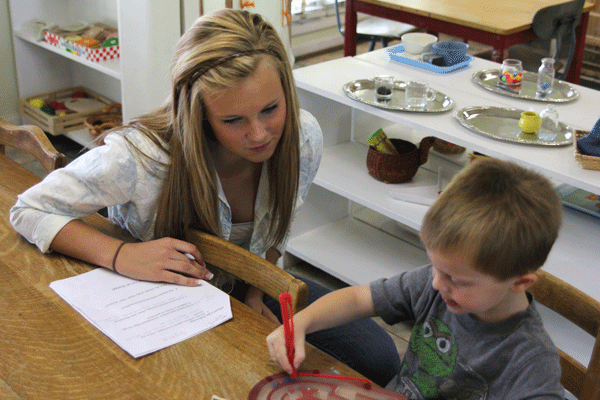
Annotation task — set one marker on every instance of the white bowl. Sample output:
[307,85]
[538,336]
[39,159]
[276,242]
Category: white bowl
[418,42]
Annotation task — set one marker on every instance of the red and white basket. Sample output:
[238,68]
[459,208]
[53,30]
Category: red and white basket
[98,54]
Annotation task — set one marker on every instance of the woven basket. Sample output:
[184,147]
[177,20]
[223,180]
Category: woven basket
[109,118]
[586,162]
[446,147]
[400,167]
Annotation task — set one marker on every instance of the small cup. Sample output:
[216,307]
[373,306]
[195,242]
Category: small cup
[417,94]
[529,122]
[511,73]
[384,87]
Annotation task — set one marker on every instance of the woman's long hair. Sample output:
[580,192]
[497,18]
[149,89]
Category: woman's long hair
[218,51]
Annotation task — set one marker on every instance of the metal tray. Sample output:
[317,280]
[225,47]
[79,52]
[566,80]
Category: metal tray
[363,90]
[561,93]
[503,124]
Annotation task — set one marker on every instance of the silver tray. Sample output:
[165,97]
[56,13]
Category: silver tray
[363,90]
[562,92]
[503,124]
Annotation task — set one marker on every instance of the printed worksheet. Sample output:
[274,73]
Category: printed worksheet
[143,317]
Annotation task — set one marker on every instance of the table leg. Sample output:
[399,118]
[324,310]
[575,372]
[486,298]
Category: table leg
[350,29]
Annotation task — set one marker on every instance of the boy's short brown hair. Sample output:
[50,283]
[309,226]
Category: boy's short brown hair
[505,217]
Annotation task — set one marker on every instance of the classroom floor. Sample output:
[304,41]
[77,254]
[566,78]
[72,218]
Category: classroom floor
[400,333]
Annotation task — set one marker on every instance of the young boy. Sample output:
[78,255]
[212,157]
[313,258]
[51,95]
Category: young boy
[477,334]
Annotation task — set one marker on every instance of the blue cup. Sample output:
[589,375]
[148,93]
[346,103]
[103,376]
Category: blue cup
[452,52]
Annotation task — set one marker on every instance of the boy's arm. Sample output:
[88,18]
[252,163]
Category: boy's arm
[334,309]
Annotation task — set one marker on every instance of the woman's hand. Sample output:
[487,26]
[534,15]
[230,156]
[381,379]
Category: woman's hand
[254,300]
[162,260]
[278,349]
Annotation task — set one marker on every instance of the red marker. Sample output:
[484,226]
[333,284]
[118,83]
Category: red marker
[285,301]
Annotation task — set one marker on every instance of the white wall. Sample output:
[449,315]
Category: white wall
[9,109]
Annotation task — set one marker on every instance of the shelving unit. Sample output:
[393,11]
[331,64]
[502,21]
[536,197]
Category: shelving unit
[350,227]
[343,192]
[139,79]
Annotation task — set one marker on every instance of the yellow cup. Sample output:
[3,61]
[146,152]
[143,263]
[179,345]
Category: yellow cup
[530,122]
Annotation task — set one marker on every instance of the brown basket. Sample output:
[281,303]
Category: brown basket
[109,118]
[447,148]
[59,124]
[586,162]
[395,168]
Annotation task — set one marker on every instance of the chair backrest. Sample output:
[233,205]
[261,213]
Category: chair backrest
[583,311]
[558,23]
[250,267]
[33,140]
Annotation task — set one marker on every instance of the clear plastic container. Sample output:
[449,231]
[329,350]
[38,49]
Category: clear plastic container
[545,80]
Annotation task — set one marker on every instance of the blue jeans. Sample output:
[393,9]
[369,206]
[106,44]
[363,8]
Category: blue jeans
[362,345]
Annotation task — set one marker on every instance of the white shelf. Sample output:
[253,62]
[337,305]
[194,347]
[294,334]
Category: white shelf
[109,67]
[343,171]
[327,79]
[138,79]
[356,252]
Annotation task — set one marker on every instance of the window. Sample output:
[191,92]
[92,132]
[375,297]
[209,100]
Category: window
[310,9]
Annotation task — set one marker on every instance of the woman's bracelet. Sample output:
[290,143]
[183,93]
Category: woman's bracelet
[114,267]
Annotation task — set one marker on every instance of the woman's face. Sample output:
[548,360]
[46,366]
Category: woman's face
[248,119]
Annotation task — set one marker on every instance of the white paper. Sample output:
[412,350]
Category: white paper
[143,317]
[425,195]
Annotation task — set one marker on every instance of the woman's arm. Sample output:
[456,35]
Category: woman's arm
[334,309]
[160,260]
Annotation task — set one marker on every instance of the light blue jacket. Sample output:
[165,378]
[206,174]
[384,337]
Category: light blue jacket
[114,176]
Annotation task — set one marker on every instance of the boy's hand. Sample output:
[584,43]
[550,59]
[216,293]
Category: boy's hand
[278,350]
[162,260]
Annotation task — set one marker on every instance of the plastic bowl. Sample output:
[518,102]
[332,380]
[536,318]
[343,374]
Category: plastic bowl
[418,42]
[451,52]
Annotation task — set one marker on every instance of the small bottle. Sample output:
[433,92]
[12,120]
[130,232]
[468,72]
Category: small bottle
[545,80]
[549,117]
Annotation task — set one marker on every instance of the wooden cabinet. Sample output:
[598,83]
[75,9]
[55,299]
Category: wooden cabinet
[139,79]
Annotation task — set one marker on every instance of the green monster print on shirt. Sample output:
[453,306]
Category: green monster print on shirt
[431,367]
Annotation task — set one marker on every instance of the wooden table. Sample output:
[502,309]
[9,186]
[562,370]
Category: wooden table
[49,351]
[499,24]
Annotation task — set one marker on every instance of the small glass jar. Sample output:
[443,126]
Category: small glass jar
[384,87]
[545,81]
[549,117]
[511,74]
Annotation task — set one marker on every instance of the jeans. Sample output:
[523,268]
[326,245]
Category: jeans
[362,345]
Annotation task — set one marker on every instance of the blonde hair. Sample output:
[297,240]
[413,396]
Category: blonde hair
[504,217]
[218,51]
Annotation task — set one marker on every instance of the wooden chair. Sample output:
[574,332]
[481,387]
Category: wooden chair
[249,267]
[583,311]
[376,29]
[33,140]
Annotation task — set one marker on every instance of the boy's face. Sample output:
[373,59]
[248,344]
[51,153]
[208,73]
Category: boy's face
[466,290]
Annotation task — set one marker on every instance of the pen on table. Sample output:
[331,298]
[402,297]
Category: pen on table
[285,301]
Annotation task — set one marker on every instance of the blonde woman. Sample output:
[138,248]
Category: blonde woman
[229,153]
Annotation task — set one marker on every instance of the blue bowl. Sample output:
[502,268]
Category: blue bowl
[451,52]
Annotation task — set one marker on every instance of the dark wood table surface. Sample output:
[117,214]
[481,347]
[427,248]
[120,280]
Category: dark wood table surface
[499,24]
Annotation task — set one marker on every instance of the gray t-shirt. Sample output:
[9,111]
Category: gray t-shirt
[459,357]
